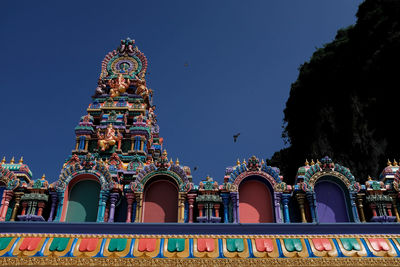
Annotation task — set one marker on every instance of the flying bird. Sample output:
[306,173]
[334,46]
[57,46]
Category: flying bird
[235,137]
[195,168]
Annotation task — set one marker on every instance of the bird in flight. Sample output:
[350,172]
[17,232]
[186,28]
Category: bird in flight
[195,168]
[235,137]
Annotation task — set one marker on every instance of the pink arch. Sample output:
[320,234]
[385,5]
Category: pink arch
[264,175]
[160,202]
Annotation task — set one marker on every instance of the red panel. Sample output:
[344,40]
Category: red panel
[30,243]
[205,244]
[147,244]
[378,244]
[160,202]
[322,244]
[88,244]
[255,202]
[264,244]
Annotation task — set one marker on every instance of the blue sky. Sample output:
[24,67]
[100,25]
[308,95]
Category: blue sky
[242,57]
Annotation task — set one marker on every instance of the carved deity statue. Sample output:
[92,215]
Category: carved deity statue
[119,85]
[109,139]
[142,90]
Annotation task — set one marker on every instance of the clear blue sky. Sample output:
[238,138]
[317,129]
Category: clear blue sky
[242,57]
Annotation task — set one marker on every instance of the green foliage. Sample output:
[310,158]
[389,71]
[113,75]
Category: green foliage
[344,101]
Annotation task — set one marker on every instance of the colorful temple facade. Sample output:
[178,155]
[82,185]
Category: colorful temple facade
[119,199]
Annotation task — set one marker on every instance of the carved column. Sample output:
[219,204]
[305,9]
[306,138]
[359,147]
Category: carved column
[181,207]
[113,199]
[285,202]
[53,196]
[129,200]
[191,198]
[394,205]
[200,206]
[235,201]
[60,195]
[102,205]
[277,204]
[356,217]
[139,204]
[87,142]
[7,198]
[310,199]
[300,199]
[216,209]
[107,211]
[18,196]
[24,207]
[361,207]
[225,199]
[41,205]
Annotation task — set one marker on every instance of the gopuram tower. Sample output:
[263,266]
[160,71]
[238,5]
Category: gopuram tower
[119,153]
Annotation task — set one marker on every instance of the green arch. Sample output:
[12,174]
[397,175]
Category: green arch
[83,202]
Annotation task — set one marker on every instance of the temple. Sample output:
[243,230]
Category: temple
[119,199]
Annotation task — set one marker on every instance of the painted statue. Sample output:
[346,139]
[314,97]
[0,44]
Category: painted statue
[109,139]
[119,85]
[142,90]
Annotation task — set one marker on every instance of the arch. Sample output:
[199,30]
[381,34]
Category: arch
[255,201]
[83,199]
[331,198]
[67,188]
[160,201]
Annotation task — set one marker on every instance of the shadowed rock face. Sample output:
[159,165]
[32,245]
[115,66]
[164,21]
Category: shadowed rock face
[344,101]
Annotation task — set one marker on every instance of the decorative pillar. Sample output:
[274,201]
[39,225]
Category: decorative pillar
[361,207]
[53,196]
[24,207]
[300,199]
[200,206]
[77,144]
[354,207]
[7,198]
[277,204]
[373,207]
[60,195]
[225,199]
[113,199]
[87,142]
[129,200]
[41,206]
[216,209]
[235,201]
[102,205]
[181,207]
[139,204]
[18,196]
[191,198]
[285,202]
[310,199]
[132,142]
[394,205]
[107,211]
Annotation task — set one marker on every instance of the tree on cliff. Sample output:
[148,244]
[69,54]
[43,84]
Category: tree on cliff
[345,102]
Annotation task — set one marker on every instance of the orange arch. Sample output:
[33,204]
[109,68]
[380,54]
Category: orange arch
[255,202]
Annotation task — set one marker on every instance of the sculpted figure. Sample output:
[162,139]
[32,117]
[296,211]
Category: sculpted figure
[142,90]
[101,87]
[109,139]
[118,86]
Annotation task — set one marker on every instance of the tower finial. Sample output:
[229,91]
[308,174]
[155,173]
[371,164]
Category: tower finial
[238,162]
[389,163]
[306,163]
[21,160]
[3,160]
[395,163]
[12,160]
[43,176]
[177,162]
[312,162]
